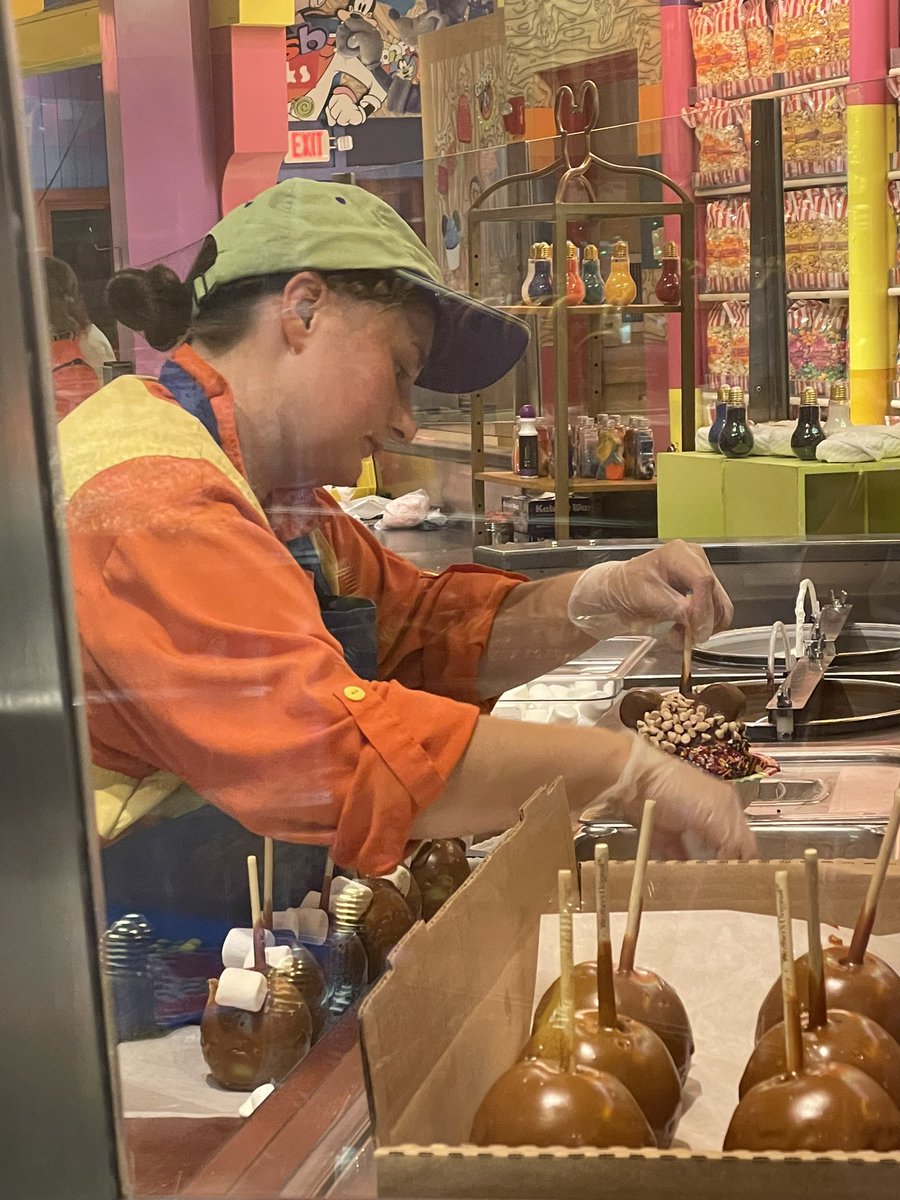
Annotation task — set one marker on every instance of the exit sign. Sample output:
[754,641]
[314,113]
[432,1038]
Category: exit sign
[308,146]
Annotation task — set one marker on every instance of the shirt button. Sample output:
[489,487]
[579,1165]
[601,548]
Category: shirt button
[354,693]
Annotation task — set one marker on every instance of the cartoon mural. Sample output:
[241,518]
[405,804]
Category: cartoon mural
[348,60]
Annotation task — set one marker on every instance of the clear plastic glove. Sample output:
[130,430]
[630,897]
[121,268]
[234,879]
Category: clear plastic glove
[697,815]
[671,585]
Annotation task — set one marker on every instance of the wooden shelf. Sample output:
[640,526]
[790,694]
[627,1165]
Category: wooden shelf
[527,310]
[794,90]
[721,297]
[825,294]
[894,291]
[833,294]
[545,484]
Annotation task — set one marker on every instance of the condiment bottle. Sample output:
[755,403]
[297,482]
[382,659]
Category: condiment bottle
[527,442]
[668,286]
[808,432]
[575,289]
[736,438]
[620,287]
[540,280]
[590,274]
[347,965]
[719,422]
[125,955]
[628,448]
[838,410]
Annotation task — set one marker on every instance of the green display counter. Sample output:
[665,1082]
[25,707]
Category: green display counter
[706,496]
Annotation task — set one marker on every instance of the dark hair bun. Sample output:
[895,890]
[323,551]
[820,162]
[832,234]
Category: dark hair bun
[155,303]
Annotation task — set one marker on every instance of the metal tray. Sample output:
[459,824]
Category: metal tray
[784,836]
[840,707]
[859,644]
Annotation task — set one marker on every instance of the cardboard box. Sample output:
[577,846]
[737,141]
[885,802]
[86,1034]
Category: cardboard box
[455,1009]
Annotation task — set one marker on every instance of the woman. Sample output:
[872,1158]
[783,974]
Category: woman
[245,642]
[79,348]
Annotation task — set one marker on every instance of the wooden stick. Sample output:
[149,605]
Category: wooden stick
[818,1003]
[268,881]
[253,881]
[325,897]
[687,651]
[793,1039]
[566,971]
[636,900]
[607,1016]
[866,918]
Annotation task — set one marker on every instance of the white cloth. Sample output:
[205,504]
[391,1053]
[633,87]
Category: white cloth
[861,443]
[95,349]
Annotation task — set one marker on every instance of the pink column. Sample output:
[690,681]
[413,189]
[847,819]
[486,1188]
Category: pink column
[677,163]
[160,132]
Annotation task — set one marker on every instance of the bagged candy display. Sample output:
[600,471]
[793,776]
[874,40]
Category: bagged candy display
[728,344]
[728,245]
[720,49]
[811,39]
[760,44]
[816,238]
[817,341]
[722,130]
[814,133]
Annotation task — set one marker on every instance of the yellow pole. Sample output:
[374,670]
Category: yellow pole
[870,257]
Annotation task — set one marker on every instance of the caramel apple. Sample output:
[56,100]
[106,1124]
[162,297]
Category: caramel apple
[828,1106]
[383,924]
[244,1049]
[607,1041]
[821,1107]
[440,868]
[855,981]
[560,1103]
[636,704]
[828,1035]
[641,994]
[543,1104]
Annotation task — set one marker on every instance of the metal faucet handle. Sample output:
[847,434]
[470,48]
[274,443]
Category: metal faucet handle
[838,602]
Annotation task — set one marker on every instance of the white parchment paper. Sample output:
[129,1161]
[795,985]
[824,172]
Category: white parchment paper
[167,1077]
[722,965]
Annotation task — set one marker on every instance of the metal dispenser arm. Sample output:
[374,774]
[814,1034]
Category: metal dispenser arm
[819,653]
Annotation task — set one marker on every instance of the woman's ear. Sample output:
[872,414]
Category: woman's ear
[302,300]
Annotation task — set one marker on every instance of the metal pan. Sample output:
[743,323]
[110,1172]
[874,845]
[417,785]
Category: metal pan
[838,708]
[859,644]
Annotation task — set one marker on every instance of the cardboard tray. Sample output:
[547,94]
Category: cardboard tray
[455,1009]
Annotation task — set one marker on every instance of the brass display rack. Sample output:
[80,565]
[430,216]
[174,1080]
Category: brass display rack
[559,212]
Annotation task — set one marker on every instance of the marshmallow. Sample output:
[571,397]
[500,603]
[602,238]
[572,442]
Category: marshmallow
[537,714]
[539,691]
[238,944]
[255,1099]
[275,956]
[584,689]
[286,921]
[559,691]
[401,879]
[314,899]
[564,714]
[242,989]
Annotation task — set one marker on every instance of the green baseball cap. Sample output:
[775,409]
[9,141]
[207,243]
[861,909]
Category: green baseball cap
[302,224]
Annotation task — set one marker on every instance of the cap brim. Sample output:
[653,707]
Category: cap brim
[474,345]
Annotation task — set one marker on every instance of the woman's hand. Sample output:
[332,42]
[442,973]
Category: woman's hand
[697,815]
[672,584]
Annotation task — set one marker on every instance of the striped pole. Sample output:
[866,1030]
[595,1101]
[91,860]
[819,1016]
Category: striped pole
[869,120]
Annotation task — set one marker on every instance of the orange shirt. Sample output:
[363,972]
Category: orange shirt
[73,379]
[204,652]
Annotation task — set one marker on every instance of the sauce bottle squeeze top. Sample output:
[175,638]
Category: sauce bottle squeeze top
[538,286]
[736,438]
[575,289]
[527,442]
[590,274]
[620,287]
[668,286]
[808,432]
[719,422]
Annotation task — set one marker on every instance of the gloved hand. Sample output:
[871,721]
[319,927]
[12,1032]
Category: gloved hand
[671,584]
[697,815]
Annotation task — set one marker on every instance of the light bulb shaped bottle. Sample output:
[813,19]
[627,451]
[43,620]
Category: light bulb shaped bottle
[590,274]
[838,410]
[808,431]
[668,286]
[575,289]
[719,422]
[621,289]
[347,965]
[540,285]
[736,438]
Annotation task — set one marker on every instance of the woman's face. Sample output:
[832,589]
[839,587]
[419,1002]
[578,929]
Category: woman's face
[340,388]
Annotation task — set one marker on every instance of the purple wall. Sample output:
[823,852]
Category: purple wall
[66,129]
